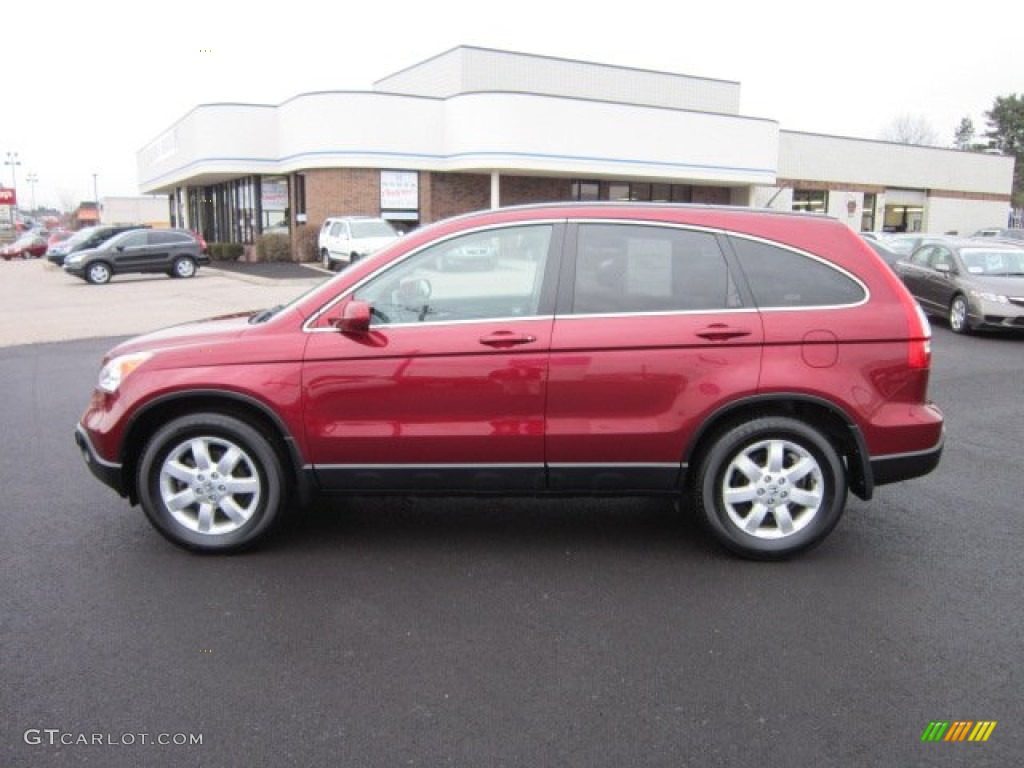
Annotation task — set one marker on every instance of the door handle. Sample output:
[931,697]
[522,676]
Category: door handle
[506,339]
[722,332]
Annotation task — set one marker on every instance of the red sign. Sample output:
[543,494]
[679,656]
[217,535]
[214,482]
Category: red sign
[7,197]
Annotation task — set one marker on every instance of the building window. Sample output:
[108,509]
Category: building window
[810,200]
[867,219]
[586,190]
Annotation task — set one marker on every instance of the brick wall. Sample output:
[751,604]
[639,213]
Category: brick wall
[522,190]
[449,194]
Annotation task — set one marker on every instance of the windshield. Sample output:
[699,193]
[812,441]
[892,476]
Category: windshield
[1002,263]
[362,229]
[81,236]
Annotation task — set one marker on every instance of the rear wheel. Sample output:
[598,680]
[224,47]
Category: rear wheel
[211,482]
[771,488]
[98,273]
[325,260]
[958,315]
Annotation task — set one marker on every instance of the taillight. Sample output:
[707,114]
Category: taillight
[919,351]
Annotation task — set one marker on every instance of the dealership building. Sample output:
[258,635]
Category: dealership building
[475,128]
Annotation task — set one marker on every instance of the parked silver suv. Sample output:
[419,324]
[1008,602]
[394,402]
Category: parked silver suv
[344,240]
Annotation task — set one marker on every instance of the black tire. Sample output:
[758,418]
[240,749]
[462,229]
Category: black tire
[325,260]
[809,469]
[184,267]
[959,322]
[98,273]
[237,499]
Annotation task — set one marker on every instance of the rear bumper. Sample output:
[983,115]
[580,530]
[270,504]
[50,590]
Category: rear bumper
[904,466]
[106,472]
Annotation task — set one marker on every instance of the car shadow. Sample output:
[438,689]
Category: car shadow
[502,524]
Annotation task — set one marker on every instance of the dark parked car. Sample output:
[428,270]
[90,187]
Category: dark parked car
[757,363]
[905,245]
[28,246]
[84,239]
[172,251]
[976,284]
[888,255]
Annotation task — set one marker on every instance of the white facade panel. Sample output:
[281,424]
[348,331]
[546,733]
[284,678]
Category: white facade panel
[965,217]
[211,139]
[814,157]
[545,134]
[359,130]
[472,132]
[468,69]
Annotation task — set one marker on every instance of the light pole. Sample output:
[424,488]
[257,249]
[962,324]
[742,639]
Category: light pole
[13,161]
[31,178]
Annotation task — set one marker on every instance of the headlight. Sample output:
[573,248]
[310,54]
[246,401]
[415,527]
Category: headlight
[74,258]
[118,369]
[986,296]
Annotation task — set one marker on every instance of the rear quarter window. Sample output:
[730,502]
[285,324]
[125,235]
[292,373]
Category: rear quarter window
[781,278]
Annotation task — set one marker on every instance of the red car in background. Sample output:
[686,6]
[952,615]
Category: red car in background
[30,246]
[58,236]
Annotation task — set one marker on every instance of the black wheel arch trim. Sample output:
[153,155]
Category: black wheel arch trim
[295,458]
[860,477]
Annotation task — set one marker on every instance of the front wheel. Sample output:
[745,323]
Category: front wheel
[771,488]
[958,316]
[98,273]
[211,482]
[325,260]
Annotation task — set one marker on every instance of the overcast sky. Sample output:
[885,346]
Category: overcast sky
[87,84]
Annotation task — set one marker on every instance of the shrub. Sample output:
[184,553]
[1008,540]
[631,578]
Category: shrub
[224,251]
[273,248]
[308,243]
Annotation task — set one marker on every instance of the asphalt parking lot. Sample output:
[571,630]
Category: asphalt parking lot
[385,632]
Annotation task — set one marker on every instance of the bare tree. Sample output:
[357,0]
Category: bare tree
[910,129]
[67,199]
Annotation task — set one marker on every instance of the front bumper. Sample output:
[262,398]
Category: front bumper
[106,472]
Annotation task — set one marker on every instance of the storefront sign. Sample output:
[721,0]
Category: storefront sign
[8,197]
[274,195]
[399,190]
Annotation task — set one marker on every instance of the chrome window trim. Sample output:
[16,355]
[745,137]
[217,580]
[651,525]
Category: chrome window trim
[315,317]
[667,313]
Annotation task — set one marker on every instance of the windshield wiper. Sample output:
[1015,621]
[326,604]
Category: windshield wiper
[266,314]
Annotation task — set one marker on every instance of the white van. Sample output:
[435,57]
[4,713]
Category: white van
[345,239]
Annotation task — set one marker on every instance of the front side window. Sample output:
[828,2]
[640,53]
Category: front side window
[922,256]
[496,273]
[133,240]
[625,268]
[782,279]
[337,229]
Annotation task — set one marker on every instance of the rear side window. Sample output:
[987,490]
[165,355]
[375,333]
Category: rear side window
[166,238]
[781,278]
[628,268]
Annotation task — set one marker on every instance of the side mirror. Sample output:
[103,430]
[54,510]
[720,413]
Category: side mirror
[355,318]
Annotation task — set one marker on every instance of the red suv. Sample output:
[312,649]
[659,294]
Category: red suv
[760,364]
